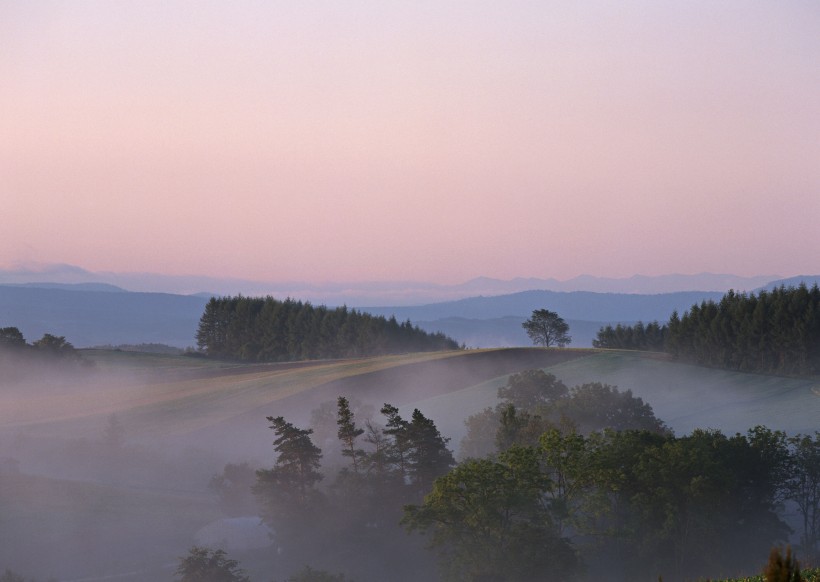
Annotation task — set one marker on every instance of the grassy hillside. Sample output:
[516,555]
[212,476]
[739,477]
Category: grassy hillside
[160,397]
[184,417]
[683,395]
[195,402]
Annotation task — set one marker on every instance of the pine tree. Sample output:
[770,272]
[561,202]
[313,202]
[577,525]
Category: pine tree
[287,492]
[348,433]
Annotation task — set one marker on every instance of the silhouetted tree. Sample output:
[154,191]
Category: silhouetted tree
[428,455]
[55,346]
[803,487]
[348,433]
[546,328]
[287,492]
[265,329]
[204,565]
[11,337]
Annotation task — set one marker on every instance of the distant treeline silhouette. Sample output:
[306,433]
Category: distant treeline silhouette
[649,337]
[270,330]
[775,331]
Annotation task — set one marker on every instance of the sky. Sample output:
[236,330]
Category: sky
[425,140]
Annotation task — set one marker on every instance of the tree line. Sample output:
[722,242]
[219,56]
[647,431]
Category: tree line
[270,330]
[775,331]
[20,360]
[572,483]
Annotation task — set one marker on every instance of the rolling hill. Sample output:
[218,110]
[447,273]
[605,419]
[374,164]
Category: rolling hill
[184,417]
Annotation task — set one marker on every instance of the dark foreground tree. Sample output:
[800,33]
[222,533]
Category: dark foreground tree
[546,328]
[803,487]
[204,565]
[287,492]
[489,521]
[348,433]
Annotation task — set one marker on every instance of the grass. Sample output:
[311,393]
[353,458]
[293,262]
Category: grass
[684,396]
[688,396]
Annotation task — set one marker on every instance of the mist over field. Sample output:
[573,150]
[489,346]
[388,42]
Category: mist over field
[107,469]
[409,291]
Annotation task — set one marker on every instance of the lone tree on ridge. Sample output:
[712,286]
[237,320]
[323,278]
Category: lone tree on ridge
[546,328]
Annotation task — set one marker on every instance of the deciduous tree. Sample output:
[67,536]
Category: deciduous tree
[489,522]
[204,565]
[546,328]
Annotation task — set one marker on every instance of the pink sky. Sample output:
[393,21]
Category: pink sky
[438,141]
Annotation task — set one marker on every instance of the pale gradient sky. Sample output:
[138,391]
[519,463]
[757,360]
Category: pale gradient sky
[428,140]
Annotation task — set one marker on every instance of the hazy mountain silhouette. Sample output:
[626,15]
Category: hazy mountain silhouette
[379,293]
[94,313]
[88,318]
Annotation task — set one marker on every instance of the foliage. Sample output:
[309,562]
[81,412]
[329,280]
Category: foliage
[534,402]
[775,331]
[596,406]
[803,487]
[782,568]
[649,337]
[268,330]
[204,565]
[531,388]
[546,328]
[427,454]
[348,433]
[54,345]
[49,349]
[417,453]
[675,503]
[11,337]
[287,491]
[488,521]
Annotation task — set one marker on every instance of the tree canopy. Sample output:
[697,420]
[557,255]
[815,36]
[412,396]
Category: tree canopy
[205,565]
[775,331]
[546,328]
[269,330]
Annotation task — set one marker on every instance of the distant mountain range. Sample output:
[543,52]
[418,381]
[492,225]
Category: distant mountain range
[108,317]
[101,312]
[92,317]
[379,293]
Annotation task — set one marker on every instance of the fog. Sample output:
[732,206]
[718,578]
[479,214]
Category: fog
[107,471]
